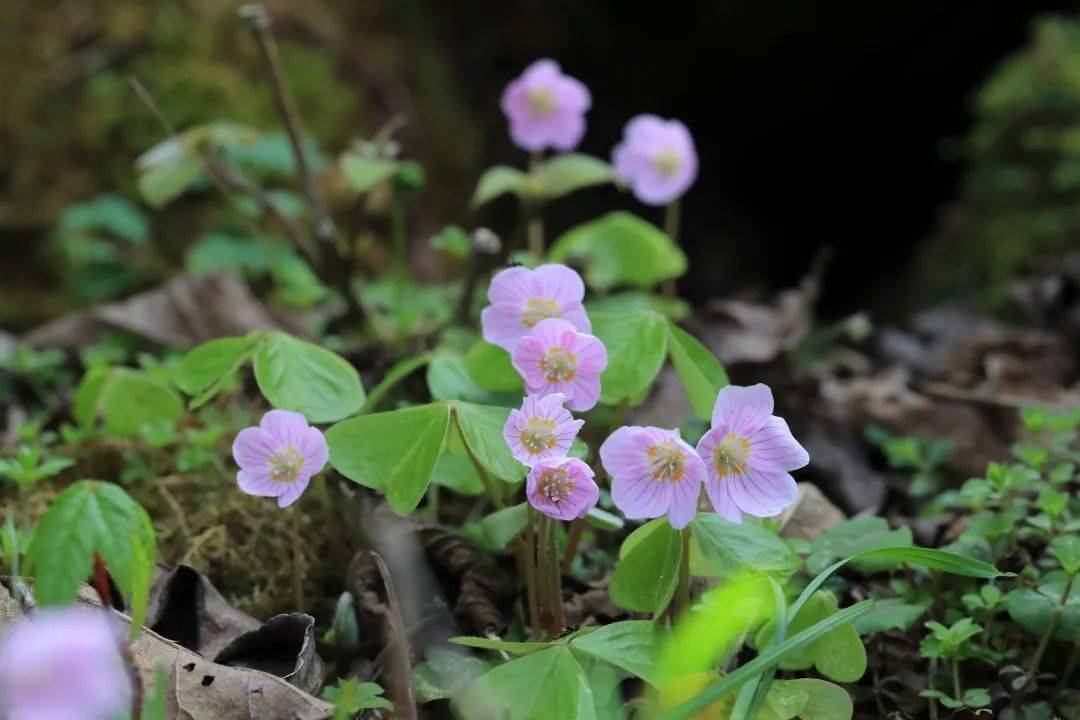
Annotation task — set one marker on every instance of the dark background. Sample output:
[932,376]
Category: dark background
[817,124]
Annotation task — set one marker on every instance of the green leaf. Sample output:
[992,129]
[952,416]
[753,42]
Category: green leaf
[504,525]
[393,451]
[456,472]
[701,374]
[838,654]
[889,614]
[397,372]
[206,365]
[729,548]
[497,181]
[125,399]
[824,700]
[636,345]
[547,685]
[563,174]
[162,183]
[448,379]
[482,428]
[620,249]
[852,537]
[489,366]
[1033,608]
[446,674]
[1066,548]
[632,645]
[363,173]
[769,657]
[648,568]
[508,646]
[93,517]
[603,520]
[296,375]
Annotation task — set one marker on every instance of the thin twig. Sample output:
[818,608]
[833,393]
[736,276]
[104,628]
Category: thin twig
[258,20]
[228,181]
[407,705]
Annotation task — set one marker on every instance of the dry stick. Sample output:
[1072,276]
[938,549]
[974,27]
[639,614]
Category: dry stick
[407,704]
[101,586]
[258,20]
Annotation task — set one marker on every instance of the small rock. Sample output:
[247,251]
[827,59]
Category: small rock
[811,515]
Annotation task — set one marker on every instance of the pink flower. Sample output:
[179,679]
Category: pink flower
[656,158]
[654,473]
[556,358]
[562,488]
[520,298]
[63,664]
[278,458]
[749,453]
[546,108]
[541,429]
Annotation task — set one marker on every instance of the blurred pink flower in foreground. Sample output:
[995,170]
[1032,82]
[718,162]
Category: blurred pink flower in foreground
[748,454]
[546,108]
[279,458]
[541,429]
[656,158]
[63,664]
[520,298]
[655,473]
[562,488]
[555,358]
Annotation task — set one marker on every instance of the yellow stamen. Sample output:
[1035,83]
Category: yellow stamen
[667,462]
[539,309]
[731,455]
[558,365]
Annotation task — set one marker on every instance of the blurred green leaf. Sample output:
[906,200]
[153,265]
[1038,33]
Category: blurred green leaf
[125,399]
[563,174]
[636,346]
[701,374]
[728,548]
[497,181]
[648,568]
[490,367]
[482,428]
[546,685]
[294,374]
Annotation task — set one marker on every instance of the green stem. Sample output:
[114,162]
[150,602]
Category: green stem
[957,692]
[1044,642]
[684,574]
[534,220]
[530,571]
[544,591]
[671,226]
[620,413]
[577,528]
[555,578]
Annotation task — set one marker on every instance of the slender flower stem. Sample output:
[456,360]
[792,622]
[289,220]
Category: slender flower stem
[684,573]
[544,582]
[577,528]
[555,578]
[534,220]
[620,413]
[671,226]
[1055,618]
[530,570]
[957,692]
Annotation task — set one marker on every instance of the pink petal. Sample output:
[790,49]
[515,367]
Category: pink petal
[641,497]
[315,451]
[559,283]
[258,483]
[252,448]
[511,287]
[591,354]
[284,427]
[762,494]
[719,492]
[585,391]
[502,326]
[549,332]
[623,453]
[293,491]
[743,409]
[576,316]
[774,448]
[526,360]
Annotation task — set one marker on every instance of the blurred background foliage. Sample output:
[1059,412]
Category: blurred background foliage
[778,100]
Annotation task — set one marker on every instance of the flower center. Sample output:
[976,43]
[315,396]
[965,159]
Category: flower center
[731,454]
[666,461]
[539,309]
[667,162]
[542,101]
[286,464]
[555,484]
[538,435]
[558,365]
